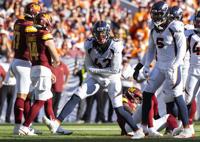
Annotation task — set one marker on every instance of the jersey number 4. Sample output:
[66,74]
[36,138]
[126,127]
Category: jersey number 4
[159,42]
[196,49]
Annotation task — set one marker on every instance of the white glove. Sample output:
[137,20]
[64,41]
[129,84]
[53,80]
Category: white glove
[146,71]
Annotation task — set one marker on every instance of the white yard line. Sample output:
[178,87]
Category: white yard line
[93,129]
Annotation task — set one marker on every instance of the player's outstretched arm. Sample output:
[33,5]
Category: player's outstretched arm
[181,47]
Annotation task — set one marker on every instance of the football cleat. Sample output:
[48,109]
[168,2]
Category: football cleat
[192,130]
[177,130]
[145,129]
[154,133]
[23,131]
[185,133]
[35,131]
[138,134]
[130,133]
[55,127]
[16,129]
[62,131]
[51,124]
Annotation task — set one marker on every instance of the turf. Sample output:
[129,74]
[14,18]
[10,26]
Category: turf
[84,133]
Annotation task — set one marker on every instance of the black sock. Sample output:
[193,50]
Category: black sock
[69,107]
[146,106]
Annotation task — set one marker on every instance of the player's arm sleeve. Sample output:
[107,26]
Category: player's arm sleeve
[88,62]
[181,47]
[51,46]
[150,54]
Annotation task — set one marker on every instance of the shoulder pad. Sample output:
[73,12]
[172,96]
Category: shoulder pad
[176,26]
[150,25]
[188,33]
[88,43]
[117,46]
[47,36]
[30,29]
[189,27]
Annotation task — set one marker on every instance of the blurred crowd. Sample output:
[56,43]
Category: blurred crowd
[73,19]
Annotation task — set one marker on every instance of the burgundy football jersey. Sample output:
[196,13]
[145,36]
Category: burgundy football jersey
[19,42]
[39,53]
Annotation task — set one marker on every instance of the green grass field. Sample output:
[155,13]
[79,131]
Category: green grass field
[84,133]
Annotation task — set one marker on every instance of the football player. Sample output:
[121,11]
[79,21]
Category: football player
[132,103]
[21,65]
[193,78]
[176,13]
[103,63]
[43,55]
[168,43]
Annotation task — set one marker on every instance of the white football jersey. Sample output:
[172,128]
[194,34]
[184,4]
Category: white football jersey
[194,48]
[169,46]
[109,61]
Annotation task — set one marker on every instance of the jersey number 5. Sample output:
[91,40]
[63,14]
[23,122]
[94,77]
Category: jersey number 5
[159,42]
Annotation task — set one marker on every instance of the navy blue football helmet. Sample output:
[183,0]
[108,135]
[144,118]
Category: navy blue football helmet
[101,32]
[197,20]
[176,13]
[159,13]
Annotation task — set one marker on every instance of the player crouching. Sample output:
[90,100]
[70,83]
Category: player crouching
[132,101]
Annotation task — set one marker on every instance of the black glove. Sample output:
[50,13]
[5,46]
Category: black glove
[137,70]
